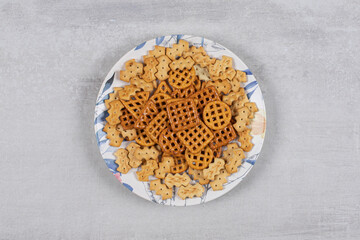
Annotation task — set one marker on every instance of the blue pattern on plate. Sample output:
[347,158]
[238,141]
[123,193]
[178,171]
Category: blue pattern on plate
[111,164]
[251,93]
[140,46]
[159,40]
[128,186]
[178,37]
[101,117]
[251,85]
[108,83]
[248,72]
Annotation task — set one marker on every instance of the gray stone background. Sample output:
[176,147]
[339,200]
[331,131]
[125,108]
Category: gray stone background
[54,56]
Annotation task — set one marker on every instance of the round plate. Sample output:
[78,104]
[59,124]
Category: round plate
[112,80]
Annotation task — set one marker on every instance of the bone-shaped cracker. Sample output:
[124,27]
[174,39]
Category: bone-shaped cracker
[191,191]
[194,50]
[147,153]
[114,112]
[177,49]
[198,175]
[122,160]
[161,189]
[177,180]
[182,63]
[128,135]
[132,69]
[113,135]
[133,161]
[203,60]
[214,168]
[157,52]
[219,181]
[245,140]
[252,107]
[126,92]
[150,69]
[233,156]
[164,167]
[221,66]
[233,96]
[242,119]
[142,84]
[112,97]
[237,80]
[222,86]
[147,170]
[163,68]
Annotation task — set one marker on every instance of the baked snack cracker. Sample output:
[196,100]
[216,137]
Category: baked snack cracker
[170,143]
[164,167]
[196,138]
[160,189]
[147,170]
[201,159]
[191,191]
[143,139]
[214,168]
[222,137]
[122,160]
[220,179]
[132,69]
[177,180]
[113,135]
[182,114]
[182,78]
[217,115]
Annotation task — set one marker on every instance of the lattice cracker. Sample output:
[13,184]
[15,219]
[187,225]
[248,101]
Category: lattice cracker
[170,143]
[199,160]
[222,137]
[196,138]
[157,125]
[205,96]
[217,115]
[182,114]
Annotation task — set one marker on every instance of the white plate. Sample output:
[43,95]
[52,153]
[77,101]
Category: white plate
[112,80]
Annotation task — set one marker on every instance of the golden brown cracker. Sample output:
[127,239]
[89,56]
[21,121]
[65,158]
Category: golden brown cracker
[114,112]
[194,50]
[198,175]
[161,189]
[150,64]
[245,140]
[220,180]
[163,68]
[182,63]
[203,60]
[122,160]
[163,88]
[214,168]
[177,180]
[177,49]
[191,191]
[147,170]
[113,135]
[164,167]
[128,135]
[132,69]
[133,161]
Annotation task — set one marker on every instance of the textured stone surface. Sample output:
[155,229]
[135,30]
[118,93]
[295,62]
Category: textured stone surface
[54,56]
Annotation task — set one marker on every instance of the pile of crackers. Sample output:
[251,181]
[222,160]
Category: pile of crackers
[184,110]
